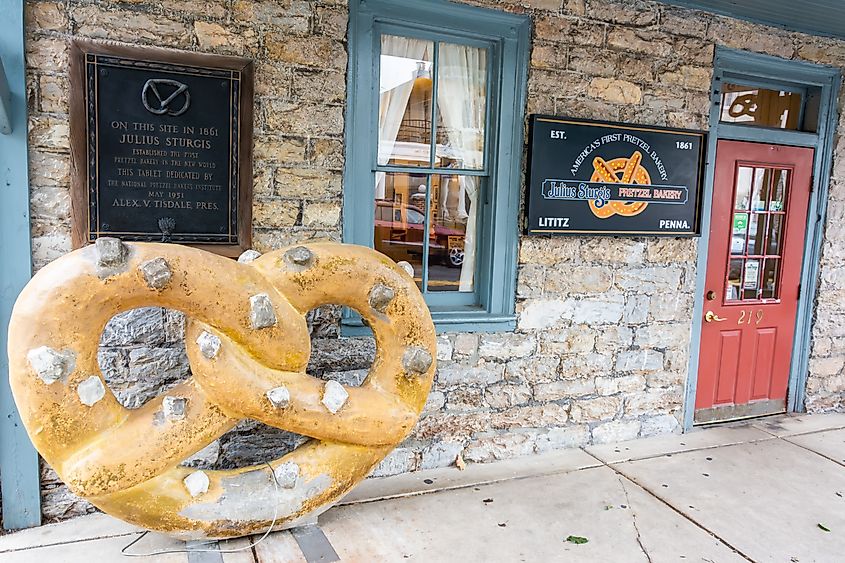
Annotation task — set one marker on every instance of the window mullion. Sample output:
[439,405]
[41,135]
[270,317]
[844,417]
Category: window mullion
[432,155]
[425,233]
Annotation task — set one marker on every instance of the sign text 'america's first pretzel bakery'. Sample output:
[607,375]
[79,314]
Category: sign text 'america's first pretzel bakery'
[590,177]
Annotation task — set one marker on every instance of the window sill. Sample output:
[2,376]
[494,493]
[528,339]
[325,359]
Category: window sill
[444,322]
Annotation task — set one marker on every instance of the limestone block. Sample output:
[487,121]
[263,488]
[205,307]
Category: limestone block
[440,454]
[532,416]
[321,214]
[661,424]
[616,431]
[534,369]
[564,389]
[578,279]
[400,460]
[444,348]
[459,374]
[600,408]
[653,401]
[136,326]
[312,183]
[639,360]
[492,447]
[505,346]
[545,313]
[623,384]
[503,396]
[559,438]
[606,309]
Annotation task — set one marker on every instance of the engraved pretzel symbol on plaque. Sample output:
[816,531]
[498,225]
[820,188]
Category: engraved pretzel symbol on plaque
[153,92]
[248,346]
[632,172]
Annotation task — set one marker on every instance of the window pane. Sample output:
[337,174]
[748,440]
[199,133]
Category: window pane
[775,234]
[734,272]
[452,246]
[743,187]
[770,279]
[400,219]
[762,182]
[778,200]
[740,227]
[756,233]
[759,106]
[751,278]
[405,90]
[461,106]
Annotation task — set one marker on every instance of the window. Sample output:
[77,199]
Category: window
[434,151]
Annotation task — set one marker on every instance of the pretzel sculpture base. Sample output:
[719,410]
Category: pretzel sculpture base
[248,346]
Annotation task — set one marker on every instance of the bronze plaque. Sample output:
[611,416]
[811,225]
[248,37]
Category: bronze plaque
[165,137]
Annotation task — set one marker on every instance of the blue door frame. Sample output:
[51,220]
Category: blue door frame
[18,459]
[745,67]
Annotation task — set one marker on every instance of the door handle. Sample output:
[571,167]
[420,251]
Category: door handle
[710,316]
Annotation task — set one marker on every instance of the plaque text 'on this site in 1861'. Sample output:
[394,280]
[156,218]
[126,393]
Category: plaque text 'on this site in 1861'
[166,141]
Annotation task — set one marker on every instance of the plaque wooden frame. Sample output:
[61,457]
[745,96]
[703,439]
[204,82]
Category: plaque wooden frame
[79,48]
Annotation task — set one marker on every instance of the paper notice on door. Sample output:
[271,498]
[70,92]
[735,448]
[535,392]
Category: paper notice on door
[752,269]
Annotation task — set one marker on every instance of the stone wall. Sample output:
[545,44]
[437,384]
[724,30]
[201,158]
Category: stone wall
[601,348]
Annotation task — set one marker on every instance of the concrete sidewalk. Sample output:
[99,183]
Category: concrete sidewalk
[767,490]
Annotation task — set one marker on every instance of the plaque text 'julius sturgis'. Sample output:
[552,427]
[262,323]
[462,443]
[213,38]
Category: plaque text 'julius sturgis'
[163,153]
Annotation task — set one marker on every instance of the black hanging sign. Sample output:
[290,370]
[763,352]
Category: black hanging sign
[592,177]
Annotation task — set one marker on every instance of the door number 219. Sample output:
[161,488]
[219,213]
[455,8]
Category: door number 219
[746,319]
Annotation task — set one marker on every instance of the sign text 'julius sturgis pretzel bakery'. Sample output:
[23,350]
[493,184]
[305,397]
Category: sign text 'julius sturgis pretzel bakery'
[590,177]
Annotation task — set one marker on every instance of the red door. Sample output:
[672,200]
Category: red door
[758,222]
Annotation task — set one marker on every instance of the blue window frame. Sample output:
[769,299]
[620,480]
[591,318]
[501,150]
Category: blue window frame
[481,297]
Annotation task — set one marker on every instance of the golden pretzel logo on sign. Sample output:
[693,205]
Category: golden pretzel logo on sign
[248,346]
[632,172]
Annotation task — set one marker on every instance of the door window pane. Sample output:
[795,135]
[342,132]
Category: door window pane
[756,234]
[740,228]
[760,194]
[732,289]
[399,229]
[751,278]
[744,176]
[771,273]
[779,188]
[760,106]
[451,246]
[405,98]
[775,236]
[461,106]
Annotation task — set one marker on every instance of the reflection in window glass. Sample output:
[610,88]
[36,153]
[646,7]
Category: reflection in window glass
[740,227]
[405,91]
[760,106]
[743,187]
[760,195]
[756,234]
[461,106]
[399,229]
[778,200]
[770,289]
[453,219]
[732,289]
[775,235]
[751,278]
[428,219]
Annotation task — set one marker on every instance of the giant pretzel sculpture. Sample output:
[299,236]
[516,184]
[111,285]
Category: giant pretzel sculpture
[248,347]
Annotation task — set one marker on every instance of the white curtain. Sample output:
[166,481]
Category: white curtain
[393,102]
[461,101]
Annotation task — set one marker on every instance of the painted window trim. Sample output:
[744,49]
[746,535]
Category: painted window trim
[753,66]
[496,281]
[19,465]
